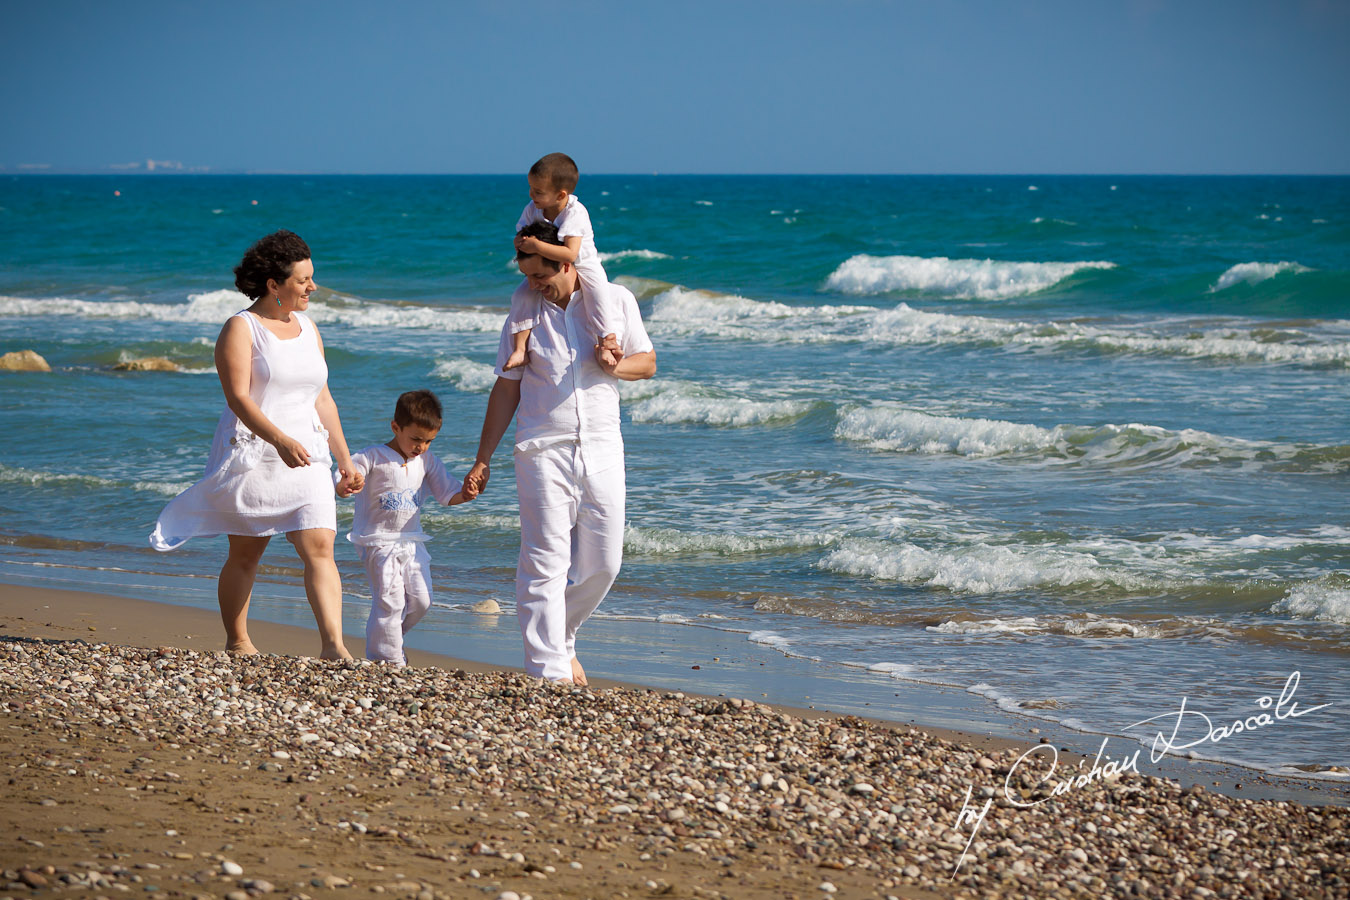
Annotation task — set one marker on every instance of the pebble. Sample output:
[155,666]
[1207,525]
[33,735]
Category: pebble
[842,794]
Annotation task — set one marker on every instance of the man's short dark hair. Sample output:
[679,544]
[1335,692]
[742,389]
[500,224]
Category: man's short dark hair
[546,232]
[420,408]
[558,170]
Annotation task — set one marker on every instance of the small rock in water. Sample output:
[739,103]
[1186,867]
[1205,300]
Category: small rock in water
[487,607]
[233,869]
[23,361]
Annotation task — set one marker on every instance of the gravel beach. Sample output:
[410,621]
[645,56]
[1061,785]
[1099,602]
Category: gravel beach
[170,772]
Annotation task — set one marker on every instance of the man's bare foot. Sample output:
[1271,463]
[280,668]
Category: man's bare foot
[517,359]
[241,648]
[578,673]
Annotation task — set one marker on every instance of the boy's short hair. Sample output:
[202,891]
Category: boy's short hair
[558,170]
[420,408]
[546,232]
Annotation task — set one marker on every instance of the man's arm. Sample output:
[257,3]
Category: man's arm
[637,367]
[501,409]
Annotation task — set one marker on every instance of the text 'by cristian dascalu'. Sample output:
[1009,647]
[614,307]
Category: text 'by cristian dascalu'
[1188,728]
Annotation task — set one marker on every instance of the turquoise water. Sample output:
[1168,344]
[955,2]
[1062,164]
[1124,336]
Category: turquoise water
[1078,445]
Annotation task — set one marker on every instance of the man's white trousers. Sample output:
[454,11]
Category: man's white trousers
[571,546]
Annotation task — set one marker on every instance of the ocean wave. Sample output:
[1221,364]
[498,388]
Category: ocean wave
[670,542]
[39,478]
[465,374]
[686,403]
[1084,626]
[1325,599]
[982,279]
[621,255]
[680,312]
[1255,273]
[977,567]
[909,431]
[214,307]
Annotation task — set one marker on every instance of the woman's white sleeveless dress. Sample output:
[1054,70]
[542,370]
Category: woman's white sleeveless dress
[247,489]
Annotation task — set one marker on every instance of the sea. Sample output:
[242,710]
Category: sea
[1079,446]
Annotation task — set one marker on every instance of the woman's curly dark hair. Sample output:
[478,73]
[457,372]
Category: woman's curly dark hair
[271,257]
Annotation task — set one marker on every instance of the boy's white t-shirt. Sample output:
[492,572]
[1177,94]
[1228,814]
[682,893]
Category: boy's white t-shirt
[389,507]
[574,220]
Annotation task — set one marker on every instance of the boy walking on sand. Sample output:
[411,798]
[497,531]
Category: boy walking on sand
[552,180]
[388,522]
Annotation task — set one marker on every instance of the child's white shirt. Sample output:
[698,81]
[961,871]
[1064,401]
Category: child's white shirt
[573,221]
[389,507]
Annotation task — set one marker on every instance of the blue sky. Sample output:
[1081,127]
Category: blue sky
[906,86]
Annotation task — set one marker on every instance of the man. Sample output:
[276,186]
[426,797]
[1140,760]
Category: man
[568,456]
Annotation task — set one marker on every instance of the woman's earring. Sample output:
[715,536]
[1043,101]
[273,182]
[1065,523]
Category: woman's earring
[278,299]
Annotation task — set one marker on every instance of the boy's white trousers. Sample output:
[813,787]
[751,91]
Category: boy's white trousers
[400,589]
[571,547]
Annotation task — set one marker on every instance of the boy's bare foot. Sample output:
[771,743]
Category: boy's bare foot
[517,359]
[606,357]
[578,673]
[241,648]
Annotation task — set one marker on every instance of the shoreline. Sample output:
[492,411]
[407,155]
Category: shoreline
[669,661]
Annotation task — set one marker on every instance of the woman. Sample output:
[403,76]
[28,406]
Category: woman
[268,472]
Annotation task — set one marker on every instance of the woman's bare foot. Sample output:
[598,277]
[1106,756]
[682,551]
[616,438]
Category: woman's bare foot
[241,648]
[337,652]
[578,673]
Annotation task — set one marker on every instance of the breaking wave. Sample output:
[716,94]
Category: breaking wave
[680,312]
[982,279]
[1255,273]
[910,431]
[686,403]
[465,374]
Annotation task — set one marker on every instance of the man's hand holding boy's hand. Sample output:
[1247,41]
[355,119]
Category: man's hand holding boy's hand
[475,481]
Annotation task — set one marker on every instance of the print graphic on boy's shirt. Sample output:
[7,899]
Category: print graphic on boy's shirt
[399,500]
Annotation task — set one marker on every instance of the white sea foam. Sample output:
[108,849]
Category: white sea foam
[1088,626]
[906,430]
[667,542]
[38,478]
[1326,600]
[467,375]
[215,307]
[769,639]
[621,255]
[984,279]
[988,691]
[1255,273]
[895,670]
[976,567]
[910,431]
[685,403]
[680,312]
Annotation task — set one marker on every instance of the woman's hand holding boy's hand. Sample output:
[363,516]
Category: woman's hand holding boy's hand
[350,483]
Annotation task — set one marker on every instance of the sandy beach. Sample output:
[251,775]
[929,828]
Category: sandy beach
[140,758]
